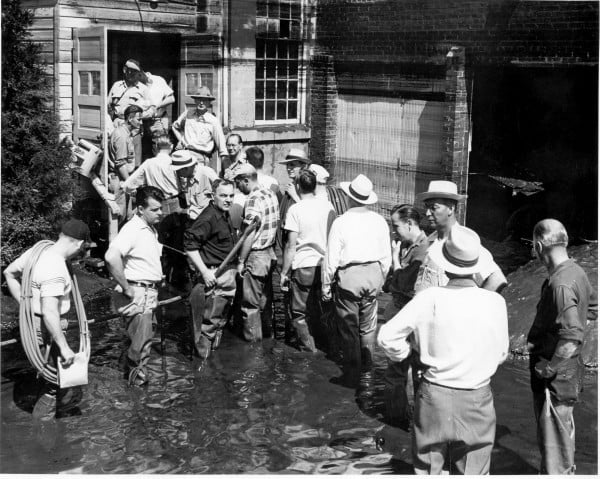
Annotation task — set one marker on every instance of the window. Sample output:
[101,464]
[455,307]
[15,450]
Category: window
[278,58]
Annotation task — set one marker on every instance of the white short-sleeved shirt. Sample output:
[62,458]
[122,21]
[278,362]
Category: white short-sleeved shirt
[309,219]
[156,171]
[138,244]
[158,90]
[50,278]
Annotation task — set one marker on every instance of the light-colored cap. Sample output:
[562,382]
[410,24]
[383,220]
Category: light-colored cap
[244,169]
[321,173]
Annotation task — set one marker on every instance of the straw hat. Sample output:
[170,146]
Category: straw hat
[360,189]
[441,189]
[203,92]
[460,253]
[182,159]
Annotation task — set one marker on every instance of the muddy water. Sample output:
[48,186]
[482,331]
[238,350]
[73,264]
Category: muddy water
[260,408]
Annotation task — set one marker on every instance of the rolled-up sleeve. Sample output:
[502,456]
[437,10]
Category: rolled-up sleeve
[571,325]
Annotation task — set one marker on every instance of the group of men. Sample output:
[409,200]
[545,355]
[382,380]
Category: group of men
[447,321]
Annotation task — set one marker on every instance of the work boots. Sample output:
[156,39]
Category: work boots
[305,340]
[365,390]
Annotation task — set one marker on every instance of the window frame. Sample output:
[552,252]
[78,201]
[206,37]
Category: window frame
[301,72]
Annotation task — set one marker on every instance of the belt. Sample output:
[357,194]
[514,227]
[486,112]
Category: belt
[196,150]
[144,284]
[262,249]
[349,265]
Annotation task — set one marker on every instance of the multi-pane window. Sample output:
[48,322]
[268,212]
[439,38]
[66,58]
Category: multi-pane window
[278,54]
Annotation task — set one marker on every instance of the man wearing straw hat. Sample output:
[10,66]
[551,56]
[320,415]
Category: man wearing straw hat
[554,342]
[460,332]
[199,131]
[441,203]
[357,260]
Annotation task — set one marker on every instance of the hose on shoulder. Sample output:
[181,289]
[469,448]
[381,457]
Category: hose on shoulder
[27,323]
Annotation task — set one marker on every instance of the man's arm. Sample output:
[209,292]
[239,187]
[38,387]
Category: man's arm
[193,238]
[288,257]
[209,276]
[331,261]
[393,335]
[219,139]
[177,128]
[12,273]
[495,281]
[114,263]
[51,318]
[135,180]
[244,252]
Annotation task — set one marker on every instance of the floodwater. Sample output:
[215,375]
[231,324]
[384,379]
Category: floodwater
[252,408]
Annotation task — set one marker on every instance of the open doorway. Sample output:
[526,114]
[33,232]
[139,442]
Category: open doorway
[158,53]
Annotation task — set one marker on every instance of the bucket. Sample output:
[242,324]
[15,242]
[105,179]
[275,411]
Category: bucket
[85,156]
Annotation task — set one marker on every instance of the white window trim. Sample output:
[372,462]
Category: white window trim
[302,82]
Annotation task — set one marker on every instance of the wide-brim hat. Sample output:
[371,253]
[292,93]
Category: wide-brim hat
[441,189]
[203,92]
[360,189]
[460,254]
[182,159]
[296,154]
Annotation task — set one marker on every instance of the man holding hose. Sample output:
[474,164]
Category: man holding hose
[50,301]
[207,243]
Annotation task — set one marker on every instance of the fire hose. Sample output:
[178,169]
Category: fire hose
[27,324]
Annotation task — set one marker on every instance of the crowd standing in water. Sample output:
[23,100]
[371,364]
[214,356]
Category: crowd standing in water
[218,227]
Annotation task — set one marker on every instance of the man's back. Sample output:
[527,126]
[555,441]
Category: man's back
[461,334]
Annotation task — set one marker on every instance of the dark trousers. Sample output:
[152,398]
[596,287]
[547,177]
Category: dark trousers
[170,233]
[210,310]
[355,303]
[255,284]
[453,425]
[395,393]
[305,310]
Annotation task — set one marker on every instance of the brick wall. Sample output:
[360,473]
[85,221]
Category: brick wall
[323,94]
[491,31]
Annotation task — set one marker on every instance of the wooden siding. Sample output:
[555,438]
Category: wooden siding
[176,16]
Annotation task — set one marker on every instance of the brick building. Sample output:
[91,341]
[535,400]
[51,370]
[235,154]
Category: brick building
[407,91]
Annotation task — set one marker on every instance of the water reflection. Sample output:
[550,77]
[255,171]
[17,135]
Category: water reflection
[251,408]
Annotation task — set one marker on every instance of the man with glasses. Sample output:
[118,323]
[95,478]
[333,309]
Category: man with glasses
[236,156]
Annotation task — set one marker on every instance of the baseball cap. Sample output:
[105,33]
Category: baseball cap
[321,173]
[76,229]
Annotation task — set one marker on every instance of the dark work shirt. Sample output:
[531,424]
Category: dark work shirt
[402,285]
[212,234]
[567,287]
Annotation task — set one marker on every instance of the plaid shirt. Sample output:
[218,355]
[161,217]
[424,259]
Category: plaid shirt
[262,203]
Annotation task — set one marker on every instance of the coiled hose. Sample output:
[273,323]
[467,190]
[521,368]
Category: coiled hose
[27,326]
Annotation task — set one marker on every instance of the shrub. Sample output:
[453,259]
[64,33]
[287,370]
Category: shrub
[36,182]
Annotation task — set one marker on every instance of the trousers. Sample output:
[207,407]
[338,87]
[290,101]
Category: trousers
[453,425]
[139,326]
[555,434]
[355,305]
[210,310]
[255,284]
[305,288]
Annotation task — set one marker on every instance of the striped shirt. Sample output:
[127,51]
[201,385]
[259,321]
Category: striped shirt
[262,203]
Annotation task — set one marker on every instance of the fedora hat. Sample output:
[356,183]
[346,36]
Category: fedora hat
[360,189]
[203,92]
[296,154]
[441,189]
[182,159]
[460,253]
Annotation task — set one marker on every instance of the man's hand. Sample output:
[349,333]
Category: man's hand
[68,356]
[210,280]
[396,247]
[241,268]
[326,294]
[543,369]
[129,292]
[284,282]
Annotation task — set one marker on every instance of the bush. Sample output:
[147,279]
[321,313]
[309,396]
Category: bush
[36,181]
